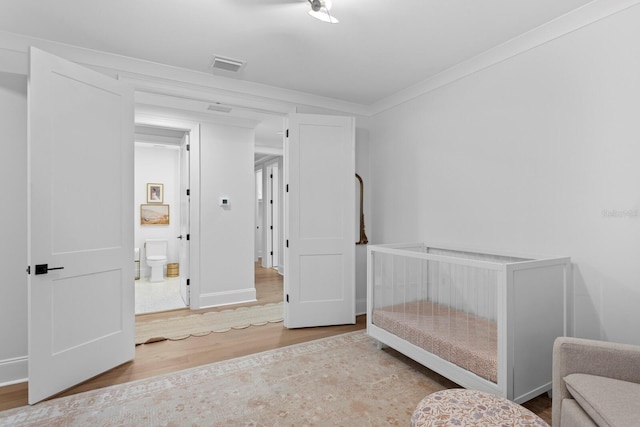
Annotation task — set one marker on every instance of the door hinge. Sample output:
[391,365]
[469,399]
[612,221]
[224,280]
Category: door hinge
[287,242]
[188,147]
[287,188]
[188,282]
[270,202]
[271,227]
[28,269]
[287,133]
[188,192]
[271,253]
[271,176]
[287,297]
[188,237]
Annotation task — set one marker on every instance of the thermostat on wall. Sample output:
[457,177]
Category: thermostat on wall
[224,201]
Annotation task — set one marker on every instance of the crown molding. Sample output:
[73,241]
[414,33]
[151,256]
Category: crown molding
[559,27]
[146,75]
[159,79]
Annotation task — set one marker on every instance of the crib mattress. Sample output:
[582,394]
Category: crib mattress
[461,338]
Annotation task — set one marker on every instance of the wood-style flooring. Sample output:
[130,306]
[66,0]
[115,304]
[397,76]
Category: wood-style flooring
[170,356]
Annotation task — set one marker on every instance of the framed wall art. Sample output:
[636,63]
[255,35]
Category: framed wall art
[154,214]
[155,193]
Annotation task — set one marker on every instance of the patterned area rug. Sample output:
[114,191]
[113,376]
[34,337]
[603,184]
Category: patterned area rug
[343,380]
[198,325]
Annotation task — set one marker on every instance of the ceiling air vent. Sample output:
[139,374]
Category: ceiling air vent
[219,107]
[226,64]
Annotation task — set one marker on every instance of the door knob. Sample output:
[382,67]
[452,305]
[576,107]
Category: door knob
[44,268]
[180,237]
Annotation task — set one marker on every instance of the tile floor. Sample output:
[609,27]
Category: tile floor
[158,296]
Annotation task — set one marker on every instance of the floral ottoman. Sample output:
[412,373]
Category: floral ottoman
[460,407]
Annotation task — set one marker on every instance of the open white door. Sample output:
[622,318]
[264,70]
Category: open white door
[267,258]
[319,208]
[184,220]
[258,249]
[81,282]
[275,216]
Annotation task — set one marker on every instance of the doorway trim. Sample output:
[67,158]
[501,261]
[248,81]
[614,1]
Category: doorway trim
[269,235]
[273,212]
[193,129]
[259,245]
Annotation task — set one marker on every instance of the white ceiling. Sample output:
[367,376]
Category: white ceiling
[379,47]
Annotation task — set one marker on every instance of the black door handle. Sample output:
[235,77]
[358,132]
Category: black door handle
[44,268]
[180,237]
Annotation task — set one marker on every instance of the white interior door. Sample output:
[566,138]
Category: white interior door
[267,261]
[275,218]
[81,282]
[185,240]
[259,216]
[320,255]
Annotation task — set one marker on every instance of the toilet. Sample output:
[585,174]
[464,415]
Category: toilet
[156,257]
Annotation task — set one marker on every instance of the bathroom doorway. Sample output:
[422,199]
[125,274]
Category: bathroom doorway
[161,205]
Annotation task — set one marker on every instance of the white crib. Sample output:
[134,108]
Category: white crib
[486,321]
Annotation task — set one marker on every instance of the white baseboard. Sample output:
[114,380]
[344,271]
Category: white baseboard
[13,371]
[216,299]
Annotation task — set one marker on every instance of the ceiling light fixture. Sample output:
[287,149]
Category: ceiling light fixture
[320,10]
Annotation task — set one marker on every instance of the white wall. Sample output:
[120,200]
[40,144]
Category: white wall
[160,166]
[529,155]
[13,227]
[362,169]
[226,233]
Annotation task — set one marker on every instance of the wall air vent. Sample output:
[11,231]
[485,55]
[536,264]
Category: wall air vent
[226,64]
[219,107]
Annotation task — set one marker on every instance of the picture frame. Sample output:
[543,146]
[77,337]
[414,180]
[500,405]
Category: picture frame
[155,193]
[154,214]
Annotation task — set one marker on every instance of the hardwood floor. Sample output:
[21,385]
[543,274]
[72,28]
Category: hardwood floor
[169,356]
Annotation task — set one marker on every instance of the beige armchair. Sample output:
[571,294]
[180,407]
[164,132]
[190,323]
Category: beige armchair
[595,383]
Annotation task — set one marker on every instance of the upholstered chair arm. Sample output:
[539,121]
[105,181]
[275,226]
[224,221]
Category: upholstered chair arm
[605,359]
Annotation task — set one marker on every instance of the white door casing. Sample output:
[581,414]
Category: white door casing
[275,216]
[80,145]
[267,260]
[319,160]
[184,245]
[258,249]
[193,130]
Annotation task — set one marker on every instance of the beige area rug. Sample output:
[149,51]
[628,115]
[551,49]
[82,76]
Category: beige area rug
[343,380]
[197,325]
